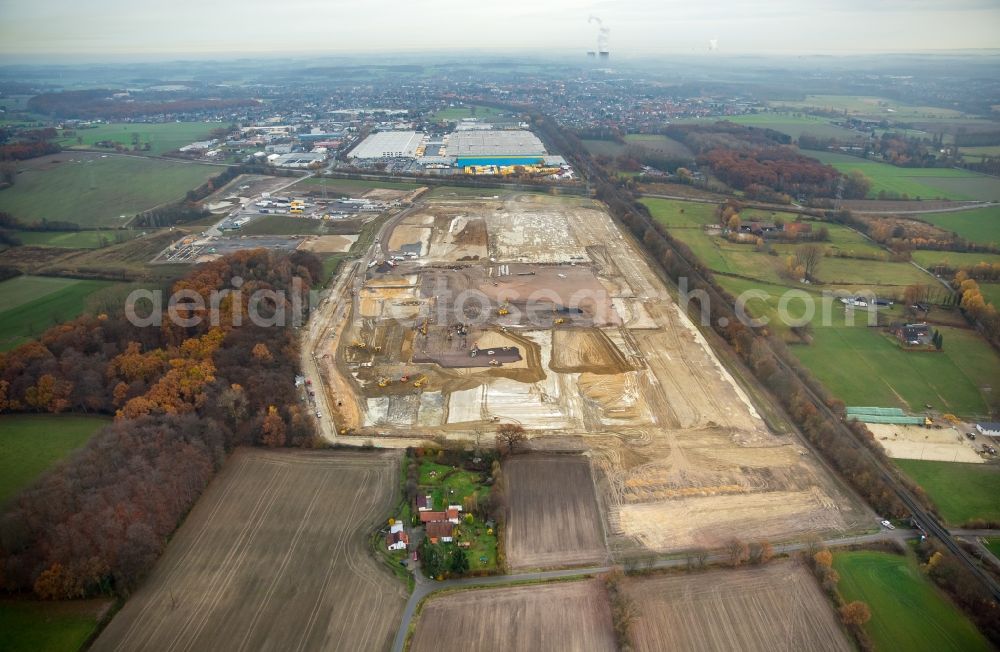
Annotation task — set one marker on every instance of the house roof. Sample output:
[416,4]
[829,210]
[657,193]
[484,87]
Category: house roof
[989,425]
[426,517]
[437,529]
[423,501]
[396,537]
[452,512]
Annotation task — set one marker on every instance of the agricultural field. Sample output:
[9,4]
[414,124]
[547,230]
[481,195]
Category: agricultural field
[922,183]
[775,607]
[290,225]
[554,518]
[275,554]
[30,444]
[91,189]
[30,304]
[460,112]
[562,616]
[952,259]
[795,125]
[973,154]
[954,380]
[879,107]
[991,292]
[33,625]
[961,492]
[162,137]
[908,613]
[75,239]
[981,225]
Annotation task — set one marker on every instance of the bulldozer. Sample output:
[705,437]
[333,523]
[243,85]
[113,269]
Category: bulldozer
[358,344]
[383,381]
[503,310]
[560,321]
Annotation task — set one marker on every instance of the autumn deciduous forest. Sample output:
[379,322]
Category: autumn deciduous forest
[181,397]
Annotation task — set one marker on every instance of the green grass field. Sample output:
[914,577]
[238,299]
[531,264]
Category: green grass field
[287,225]
[30,304]
[924,183]
[980,225]
[30,444]
[660,144]
[459,112]
[75,239]
[162,138]
[862,366]
[994,546]
[908,612]
[979,153]
[350,186]
[795,124]
[961,492]
[870,106]
[991,292]
[952,259]
[34,626]
[98,190]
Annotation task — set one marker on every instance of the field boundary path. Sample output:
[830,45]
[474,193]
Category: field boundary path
[424,588]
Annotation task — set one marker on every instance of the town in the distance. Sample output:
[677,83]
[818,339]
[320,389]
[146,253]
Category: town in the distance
[583,352]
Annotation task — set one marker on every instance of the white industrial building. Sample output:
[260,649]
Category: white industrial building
[389,144]
[512,142]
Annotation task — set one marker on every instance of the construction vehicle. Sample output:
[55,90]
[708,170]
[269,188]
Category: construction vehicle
[419,382]
[494,362]
[358,344]
[502,310]
[378,349]
[423,328]
[383,381]
[560,321]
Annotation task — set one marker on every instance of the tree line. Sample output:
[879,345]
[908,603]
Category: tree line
[181,397]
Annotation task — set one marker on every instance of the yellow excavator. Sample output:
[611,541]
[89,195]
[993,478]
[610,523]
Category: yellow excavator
[383,381]
[419,382]
[502,310]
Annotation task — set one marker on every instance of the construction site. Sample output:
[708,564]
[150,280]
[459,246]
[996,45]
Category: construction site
[538,310]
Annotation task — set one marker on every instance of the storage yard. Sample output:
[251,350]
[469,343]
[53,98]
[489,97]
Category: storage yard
[262,561]
[776,607]
[537,310]
[564,616]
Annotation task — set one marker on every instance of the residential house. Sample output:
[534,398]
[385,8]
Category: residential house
[398,540]
[425,503]
[440,531]
[429,516]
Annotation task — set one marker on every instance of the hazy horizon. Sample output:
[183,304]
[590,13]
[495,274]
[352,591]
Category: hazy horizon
[51,31]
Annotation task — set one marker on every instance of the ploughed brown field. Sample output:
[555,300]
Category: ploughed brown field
[554,518]
[768,609]
[274,556]
[567,616]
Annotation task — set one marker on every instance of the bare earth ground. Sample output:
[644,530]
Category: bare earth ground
[918,443]
[554,519]
[685,459]
[567,616]
[768,609]
[274,556]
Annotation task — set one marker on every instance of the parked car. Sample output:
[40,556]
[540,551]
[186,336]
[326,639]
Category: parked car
[887,525]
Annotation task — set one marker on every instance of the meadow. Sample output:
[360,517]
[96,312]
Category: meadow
[860,365]
[952,259]
[908,613]
[922,183]
[33,625]
[859,105]
[979,153]
[98,189]
[961,492]
[795,125]
[981,225]
[90,239]
[162,137]
[30,444]
[30,304]
[460,112]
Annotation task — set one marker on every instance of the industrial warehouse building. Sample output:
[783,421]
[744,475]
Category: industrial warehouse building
[389,144]
[488,143]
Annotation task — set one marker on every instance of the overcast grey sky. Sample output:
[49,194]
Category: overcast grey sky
[111,28]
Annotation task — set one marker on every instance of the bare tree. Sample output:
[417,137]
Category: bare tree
[808,256]
[738,552]
[509,437]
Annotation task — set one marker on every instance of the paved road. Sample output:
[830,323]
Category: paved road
[425,587]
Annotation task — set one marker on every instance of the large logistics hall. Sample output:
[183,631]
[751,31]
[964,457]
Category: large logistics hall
[389,144]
